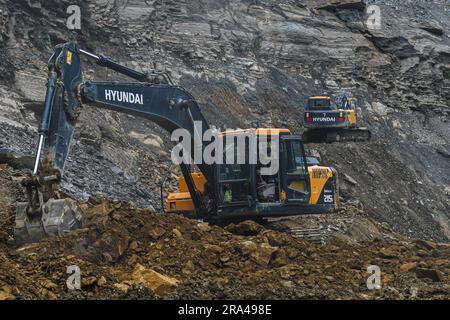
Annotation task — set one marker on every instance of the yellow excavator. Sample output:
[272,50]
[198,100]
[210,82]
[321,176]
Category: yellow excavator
[213,191]
[328,119]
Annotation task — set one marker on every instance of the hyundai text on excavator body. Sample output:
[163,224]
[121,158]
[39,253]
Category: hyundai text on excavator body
[214,192]
[332,120]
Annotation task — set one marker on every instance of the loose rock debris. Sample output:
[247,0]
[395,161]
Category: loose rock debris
[129,253]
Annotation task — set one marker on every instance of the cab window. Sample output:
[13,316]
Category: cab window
[295,161]
[319,104]
[234,178]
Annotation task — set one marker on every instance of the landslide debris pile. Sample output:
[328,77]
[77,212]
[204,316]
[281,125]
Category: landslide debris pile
[126,252]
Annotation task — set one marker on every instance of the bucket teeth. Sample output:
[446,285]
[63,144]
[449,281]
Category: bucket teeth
[58,217]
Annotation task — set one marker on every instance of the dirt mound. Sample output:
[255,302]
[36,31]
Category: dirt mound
[130,253]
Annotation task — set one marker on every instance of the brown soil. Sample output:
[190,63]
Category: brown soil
[126,252]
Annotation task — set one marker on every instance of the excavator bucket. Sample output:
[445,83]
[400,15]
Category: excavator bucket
[58,217]
[44,214]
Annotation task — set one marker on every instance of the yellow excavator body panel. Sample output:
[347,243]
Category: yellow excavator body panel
[181,200]
[199,182]
[318,179]
[351,117]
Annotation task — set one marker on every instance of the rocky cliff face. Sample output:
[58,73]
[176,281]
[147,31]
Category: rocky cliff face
[253,63]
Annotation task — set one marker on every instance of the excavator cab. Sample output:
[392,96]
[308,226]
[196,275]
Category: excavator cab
[319,103]
[242,192]
[294,170]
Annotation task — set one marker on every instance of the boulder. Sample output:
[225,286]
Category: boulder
[245,228]
[177,233]
[158,283]
[204,227]
[259,253]
[433,274]
[156,233]
[263,254]
[246,247]
[6,292]
[102,281]
[88,282]
[280,258]
[408,266]
[425,244]
[380,109]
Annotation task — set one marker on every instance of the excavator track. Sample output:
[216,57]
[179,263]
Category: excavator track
[316,234]
[330,135]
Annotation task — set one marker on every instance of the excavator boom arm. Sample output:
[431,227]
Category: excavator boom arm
[169,106]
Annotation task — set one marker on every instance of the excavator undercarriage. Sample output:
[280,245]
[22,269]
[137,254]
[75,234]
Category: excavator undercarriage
[330,135]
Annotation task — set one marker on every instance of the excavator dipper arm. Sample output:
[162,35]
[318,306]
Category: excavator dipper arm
[171,107]
[152,97]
